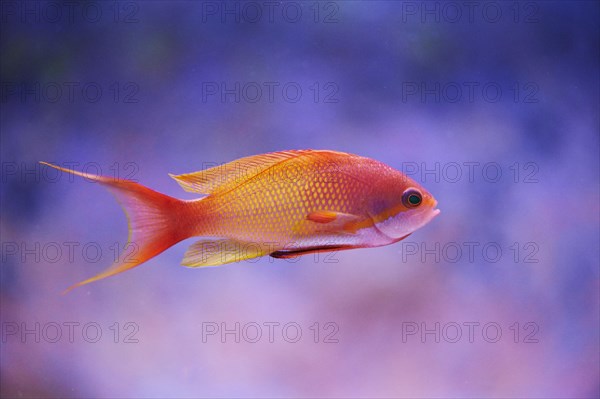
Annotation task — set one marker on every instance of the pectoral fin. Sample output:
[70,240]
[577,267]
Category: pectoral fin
[322,216]
[334,222]
[219,252]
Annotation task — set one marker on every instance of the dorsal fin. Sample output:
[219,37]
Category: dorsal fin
[220,177]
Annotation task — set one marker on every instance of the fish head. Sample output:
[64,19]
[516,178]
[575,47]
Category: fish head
[404,207]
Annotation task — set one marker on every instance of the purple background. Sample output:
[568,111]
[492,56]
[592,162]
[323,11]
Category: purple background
[366,56]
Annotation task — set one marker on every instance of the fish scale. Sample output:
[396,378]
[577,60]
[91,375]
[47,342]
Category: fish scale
[259,207]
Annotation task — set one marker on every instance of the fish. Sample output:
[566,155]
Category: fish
[283,204]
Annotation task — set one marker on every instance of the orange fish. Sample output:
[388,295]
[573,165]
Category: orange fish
[282,204]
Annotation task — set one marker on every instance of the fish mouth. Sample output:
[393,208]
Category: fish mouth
[434,211]
[432,214]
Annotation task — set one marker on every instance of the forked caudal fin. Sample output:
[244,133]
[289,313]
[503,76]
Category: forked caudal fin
[152,221]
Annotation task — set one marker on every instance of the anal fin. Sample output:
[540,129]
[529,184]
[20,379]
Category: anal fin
[219,252]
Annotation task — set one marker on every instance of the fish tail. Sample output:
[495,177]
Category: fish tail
[155,221]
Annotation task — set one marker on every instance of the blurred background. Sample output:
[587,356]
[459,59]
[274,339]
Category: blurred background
[492,106]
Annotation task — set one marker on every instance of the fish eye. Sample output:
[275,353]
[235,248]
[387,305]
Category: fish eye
[412,198]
